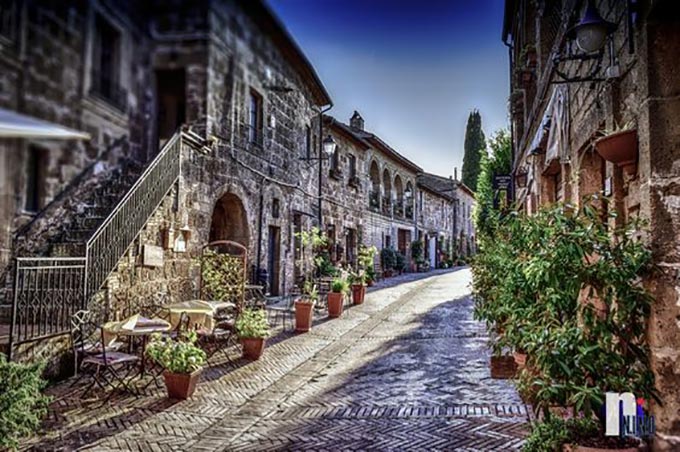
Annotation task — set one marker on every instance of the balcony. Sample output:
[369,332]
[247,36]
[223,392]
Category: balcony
[387,206]
[399,208]
[374,201]
[409,211]
[106,88]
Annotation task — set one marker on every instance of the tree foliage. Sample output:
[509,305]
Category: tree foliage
[475,148]
[499,161]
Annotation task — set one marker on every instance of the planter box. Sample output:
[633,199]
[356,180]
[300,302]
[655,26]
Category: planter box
[303,316]
[503,367]
[253,347]
[335,304]
[181,386]
[358,293]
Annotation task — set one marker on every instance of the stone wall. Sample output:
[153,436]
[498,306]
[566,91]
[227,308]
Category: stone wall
[645,97]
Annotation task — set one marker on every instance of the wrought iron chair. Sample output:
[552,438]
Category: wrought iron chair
[221,337]
[86,340]
[286,311]
[106,367]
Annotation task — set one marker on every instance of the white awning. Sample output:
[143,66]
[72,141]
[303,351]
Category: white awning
[16,125]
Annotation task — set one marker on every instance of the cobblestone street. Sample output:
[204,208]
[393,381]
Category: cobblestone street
[408,370]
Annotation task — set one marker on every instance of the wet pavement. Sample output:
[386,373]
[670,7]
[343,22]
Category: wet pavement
[407,370]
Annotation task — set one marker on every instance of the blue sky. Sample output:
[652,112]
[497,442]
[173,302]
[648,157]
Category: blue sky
[413,69]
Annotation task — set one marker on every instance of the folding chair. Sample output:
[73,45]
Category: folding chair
[106,367]
[286,311]
[221,337]
[85,340]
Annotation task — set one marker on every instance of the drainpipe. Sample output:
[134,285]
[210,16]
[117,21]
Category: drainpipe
[321,113]
[256,276]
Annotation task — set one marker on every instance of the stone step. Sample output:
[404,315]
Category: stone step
[63,249]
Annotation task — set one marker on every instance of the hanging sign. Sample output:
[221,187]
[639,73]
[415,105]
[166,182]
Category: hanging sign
[502,191]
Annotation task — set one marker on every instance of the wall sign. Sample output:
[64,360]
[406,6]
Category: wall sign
[502,191]
[152,256]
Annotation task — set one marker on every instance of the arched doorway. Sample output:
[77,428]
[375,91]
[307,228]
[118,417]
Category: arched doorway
[229,221]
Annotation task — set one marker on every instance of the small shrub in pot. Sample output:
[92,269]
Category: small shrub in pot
[252,328]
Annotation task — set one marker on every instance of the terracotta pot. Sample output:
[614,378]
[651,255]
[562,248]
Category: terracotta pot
[370,283]
[181,386]
[620,148]
[303,316]
[253,347]
[503,367]
[358,293]
[520,359]
[335,304]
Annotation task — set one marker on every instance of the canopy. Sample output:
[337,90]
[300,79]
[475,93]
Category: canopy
[16,125]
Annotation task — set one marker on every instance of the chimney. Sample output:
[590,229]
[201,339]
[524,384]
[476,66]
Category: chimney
[356,121]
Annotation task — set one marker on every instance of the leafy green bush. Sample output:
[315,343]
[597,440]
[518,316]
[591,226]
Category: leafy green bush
[417,250]
[252,324]
[400,264]
[550,435]
[22,404]
[339,285]
[388,257]
[177,356]
[564,288]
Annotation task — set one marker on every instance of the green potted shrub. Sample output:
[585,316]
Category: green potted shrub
[22,404]
[336,297]
[252,329]
[304,307]
[388,259]
[364,267]
[400,263]
[182,360]
[417,253]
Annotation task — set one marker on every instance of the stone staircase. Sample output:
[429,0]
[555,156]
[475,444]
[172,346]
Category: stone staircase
[64,230]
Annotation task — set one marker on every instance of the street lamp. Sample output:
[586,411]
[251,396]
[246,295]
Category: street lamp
[587,41]
[329,145]
[592,30]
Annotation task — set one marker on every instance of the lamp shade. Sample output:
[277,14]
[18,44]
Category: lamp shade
[329,145]
[592,30]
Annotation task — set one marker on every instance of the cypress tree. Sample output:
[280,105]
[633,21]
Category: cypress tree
[474,146]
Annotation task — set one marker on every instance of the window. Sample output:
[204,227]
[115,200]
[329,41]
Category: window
[255,118]
[308,141]
[8,19]
[335,163]
[106,64]
[35,179]
[352,160]
[276,207]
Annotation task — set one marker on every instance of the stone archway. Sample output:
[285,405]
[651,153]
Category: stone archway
[230,221]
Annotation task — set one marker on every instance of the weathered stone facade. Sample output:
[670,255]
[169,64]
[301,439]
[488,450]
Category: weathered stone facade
[639,91]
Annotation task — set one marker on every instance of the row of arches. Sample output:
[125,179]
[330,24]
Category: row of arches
[385,184]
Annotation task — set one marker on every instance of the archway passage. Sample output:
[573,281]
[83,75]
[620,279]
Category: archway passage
[229,220]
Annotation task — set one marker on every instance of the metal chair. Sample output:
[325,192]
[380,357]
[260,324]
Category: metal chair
[286,311]
[221,337]
[86,340]
[106,367]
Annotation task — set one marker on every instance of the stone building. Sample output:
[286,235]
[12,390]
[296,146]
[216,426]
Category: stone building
[561,104]
[387,187]
[249,100]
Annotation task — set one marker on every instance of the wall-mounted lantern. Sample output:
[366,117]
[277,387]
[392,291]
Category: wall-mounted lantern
[586,41]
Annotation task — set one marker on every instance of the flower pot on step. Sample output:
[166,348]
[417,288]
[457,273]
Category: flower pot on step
[520,359]
[503,367]
[358,293]
[620,148]
[181,386]
[304,311]
[335,304]
[253,347]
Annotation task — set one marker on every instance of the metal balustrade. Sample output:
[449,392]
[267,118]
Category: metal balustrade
[49,290]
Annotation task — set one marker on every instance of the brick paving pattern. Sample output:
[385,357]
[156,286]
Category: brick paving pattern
[407,370]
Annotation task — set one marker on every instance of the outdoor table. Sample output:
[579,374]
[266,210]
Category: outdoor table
[201,312]
[135,326]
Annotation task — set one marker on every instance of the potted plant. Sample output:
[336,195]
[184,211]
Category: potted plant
[358,287]
[619,146]
[252,329]
[304,307]
[400,264]
[182,360]
[336,297]
[388,259]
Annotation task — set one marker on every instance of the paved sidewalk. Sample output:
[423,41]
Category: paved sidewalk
[407,370]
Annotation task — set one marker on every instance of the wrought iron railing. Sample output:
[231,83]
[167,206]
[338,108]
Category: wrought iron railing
[109,243]
[47,292]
